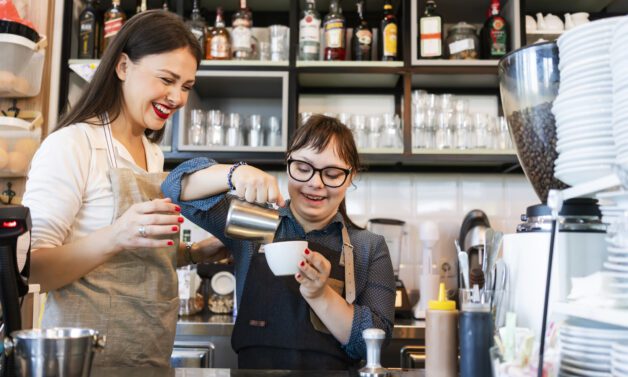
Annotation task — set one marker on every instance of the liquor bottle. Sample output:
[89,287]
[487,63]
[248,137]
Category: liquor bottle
[334,27]
[141,7]
[388,34]
[431,29]
[362,37]
[494,35]
[242,22]
[309,32]
[114,19]
[89,32]
[218,46]
[197,25]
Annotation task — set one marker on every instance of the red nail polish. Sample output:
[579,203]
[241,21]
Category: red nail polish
[175,228]
[298,276]
[170,243]
[180,219]
[302,263]
[307,251]
[177,208]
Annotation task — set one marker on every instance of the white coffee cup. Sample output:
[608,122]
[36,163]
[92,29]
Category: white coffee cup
[283,258]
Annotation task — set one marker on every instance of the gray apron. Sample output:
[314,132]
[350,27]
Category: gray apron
[133,297]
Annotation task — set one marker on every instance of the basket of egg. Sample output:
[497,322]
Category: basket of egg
[19,139]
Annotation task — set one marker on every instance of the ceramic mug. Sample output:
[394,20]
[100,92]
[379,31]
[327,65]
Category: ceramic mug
[549,23]
[530,24]
[575,19]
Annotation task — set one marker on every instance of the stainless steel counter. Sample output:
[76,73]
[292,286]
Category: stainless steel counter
[222,325]
[193,372]
[408,337]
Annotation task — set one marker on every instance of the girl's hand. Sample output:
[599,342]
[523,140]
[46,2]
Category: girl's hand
[209,250]
[315,269]
[256,186]
[143,223]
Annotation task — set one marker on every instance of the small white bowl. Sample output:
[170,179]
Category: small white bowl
[284,257]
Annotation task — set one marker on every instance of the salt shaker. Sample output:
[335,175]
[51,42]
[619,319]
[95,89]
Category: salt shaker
[373,339]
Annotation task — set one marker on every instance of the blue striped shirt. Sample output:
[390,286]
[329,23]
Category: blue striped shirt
[374,276]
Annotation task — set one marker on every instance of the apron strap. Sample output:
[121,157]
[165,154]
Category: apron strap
[346,260]
[109,139]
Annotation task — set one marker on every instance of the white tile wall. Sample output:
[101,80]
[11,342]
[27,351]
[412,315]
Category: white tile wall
[442,198]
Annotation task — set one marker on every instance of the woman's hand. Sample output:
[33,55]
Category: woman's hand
[142,223]
[209,250]
[315,269]
[256,186]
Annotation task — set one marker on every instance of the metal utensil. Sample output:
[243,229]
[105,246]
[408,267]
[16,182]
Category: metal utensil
[463,261]
[252,222]
[492,252]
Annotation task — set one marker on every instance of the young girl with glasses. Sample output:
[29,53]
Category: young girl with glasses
[345,283]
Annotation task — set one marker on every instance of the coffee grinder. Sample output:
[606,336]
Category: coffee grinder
[394,233]
[15,226]
[529,79]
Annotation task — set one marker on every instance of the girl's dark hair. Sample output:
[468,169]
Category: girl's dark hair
[148,33]
[317,132]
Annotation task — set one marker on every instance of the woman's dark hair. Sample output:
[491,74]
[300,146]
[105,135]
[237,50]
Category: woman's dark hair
[148,33]
[317,132]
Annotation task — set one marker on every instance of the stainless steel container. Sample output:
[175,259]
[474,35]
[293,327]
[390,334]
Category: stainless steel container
[66,352]
[253,222]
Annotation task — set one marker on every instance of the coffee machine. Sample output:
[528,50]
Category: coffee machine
[394,233]
[15,226]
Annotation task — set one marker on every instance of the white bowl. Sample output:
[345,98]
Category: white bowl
[284,257]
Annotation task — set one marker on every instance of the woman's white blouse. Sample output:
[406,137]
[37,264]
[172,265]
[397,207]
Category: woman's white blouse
[68,189]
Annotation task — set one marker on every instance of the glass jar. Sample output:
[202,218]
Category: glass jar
[463,42]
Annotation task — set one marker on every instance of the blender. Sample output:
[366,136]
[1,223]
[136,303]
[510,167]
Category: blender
[394,233]
[15,226]
[529,79]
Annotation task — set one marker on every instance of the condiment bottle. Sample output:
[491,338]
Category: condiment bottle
[476,333]
[441,324]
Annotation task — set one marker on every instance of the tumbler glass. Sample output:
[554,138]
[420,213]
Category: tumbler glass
[196,132]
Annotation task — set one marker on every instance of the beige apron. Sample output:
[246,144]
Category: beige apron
[133,297]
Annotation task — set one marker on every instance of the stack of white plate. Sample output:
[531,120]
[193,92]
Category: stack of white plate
[619,68]
[583,107]
[586,348]
[619,359]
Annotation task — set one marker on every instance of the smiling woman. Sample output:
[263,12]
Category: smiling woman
[105,244]
[345,281]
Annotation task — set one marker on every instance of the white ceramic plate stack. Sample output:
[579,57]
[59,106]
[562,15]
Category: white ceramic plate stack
[586,348]
[619,68]
[619,359]
[583,107]
[615,213]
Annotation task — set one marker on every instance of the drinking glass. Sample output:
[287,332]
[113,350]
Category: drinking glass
[215,131]
[256,136]
[359,131]
[196,132]
[480,127]
[278,42]
[234,133]
[274,132]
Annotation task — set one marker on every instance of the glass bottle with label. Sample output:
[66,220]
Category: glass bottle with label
[89,32]
[114,19]
[334,27]
[141,6]
[241,22]
[197,26]
[218,46]
[430,30]
[362,37]
[309,32]
[388,34]
[494,34]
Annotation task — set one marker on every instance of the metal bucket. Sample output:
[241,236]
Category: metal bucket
[66,352]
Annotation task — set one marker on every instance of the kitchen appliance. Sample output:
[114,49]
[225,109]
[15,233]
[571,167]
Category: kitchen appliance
[577,253]
[529,81]
[394,233]
[15,226]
